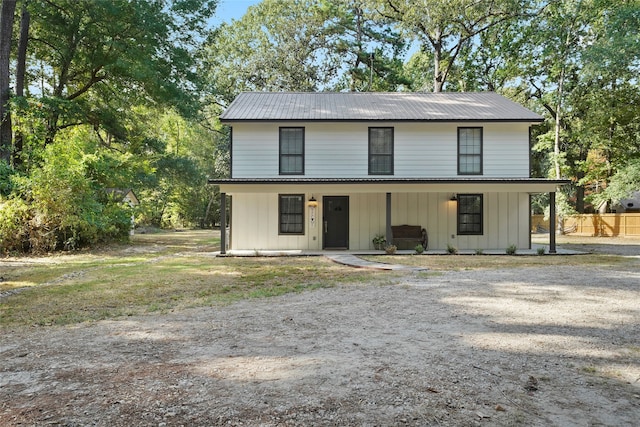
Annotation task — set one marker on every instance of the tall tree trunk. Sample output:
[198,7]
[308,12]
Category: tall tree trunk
[7,11]
[21,68]
[556,142]
[437,57]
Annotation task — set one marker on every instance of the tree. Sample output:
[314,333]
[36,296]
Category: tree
[445,28]
[368,51]
[101,55]
[21,70]
[277,45]
[565,49]
[7,11]
[106,71]
[623,184]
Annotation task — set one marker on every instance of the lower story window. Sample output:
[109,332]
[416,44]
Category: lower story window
[469,214]
[291,213]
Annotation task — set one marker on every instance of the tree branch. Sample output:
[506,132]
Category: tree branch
[92,81]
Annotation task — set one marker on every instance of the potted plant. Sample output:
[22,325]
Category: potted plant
[391,249]
[378,241]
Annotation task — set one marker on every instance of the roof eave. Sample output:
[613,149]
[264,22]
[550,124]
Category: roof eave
[460,120]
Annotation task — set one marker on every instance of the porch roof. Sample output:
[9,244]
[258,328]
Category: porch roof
[387,185]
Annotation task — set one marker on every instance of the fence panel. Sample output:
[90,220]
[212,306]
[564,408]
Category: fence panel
[622,224]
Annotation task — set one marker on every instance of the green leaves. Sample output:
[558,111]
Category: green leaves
[143,51]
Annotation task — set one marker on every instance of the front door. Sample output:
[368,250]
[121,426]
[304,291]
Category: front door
[335,218]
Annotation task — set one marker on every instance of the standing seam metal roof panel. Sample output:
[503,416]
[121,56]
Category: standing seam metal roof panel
[376,106]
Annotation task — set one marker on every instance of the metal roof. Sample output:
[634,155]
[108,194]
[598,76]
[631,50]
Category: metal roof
[376,106]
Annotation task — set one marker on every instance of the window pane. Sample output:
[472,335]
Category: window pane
[291,150]
[470,150]
[381,151]
[381,164]
[469,214]
[381,146]
[292,214]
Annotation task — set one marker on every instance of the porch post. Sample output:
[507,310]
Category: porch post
[552,222]
[223,223]
[388,234]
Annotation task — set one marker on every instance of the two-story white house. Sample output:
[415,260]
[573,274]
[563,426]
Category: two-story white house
[326,171]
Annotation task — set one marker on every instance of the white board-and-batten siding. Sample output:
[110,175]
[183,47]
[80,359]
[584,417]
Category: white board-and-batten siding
[505,221]
[340,150]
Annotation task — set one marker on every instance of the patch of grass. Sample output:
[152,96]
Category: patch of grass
[426,275]
[77,287]
[494,262]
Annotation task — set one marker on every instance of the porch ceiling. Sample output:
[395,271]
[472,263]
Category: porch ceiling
[389,185]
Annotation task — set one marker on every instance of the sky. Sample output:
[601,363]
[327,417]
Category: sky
[232,9]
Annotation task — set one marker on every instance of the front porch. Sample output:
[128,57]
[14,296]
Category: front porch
[373,207]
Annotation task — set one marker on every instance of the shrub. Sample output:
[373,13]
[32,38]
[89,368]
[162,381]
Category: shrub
[479,252]
[541,250]
[419,249]
[511,250]
[14,214]
[452,250]
[59,208]
[391,249]
[5,178]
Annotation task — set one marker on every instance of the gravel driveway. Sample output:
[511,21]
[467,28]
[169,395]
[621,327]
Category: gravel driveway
[536,346]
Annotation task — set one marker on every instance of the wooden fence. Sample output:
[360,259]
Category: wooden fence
[623,225]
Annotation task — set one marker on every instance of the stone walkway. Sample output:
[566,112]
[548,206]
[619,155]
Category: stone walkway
[354,261]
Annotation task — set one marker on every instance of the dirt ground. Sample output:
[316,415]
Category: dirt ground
[535,346]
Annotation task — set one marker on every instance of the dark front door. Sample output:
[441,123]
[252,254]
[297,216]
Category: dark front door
[335,216]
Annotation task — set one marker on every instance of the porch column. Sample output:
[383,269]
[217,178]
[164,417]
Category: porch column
[223,223]
[552,222]
[388,234]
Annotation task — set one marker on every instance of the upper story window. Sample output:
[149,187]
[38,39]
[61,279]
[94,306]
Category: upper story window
[470,214]
[291,151]
[380,151]
[469,151]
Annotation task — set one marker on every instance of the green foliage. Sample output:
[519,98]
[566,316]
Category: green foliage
[452,250]
[276,45]
[147,48]
[5,178]
[130,93]
[443,29]
[14,217]
[367,49]
[58,207]
[541,250]
[581,59]
[511,250]
[623,183]
[419,249]
[379,239]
